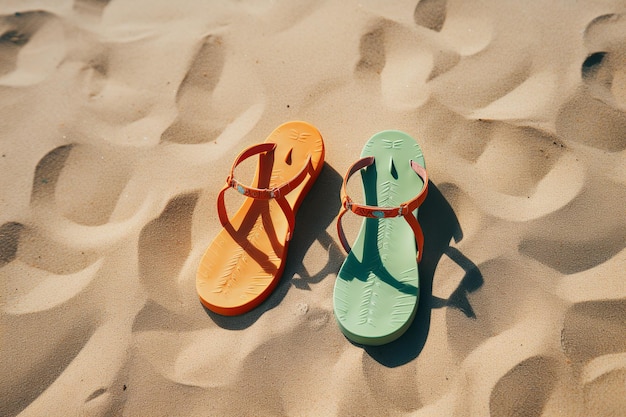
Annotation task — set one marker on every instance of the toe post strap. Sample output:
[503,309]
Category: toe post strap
[405,209]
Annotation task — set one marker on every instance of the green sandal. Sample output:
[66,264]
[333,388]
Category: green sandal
[377,288]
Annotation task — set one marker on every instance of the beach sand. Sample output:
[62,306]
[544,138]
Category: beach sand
[120,121]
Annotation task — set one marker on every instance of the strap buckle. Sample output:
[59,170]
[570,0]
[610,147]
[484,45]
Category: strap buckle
[275,192]
[233,183]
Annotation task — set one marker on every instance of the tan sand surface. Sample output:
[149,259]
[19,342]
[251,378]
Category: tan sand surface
[120,120]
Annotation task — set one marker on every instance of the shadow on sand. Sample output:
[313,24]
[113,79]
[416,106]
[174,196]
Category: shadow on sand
[440,226]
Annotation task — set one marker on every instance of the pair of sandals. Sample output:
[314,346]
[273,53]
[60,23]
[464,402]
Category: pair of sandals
[377,288]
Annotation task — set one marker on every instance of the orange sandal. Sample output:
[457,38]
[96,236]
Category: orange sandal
[246,259]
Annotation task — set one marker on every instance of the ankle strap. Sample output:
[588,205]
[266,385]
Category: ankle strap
[404,210]
[277,193]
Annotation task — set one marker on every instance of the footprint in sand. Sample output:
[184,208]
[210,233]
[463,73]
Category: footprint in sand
[95,73]
[594,341]
[91,182]
[597,237]
[82,182]
[465,28]
[33,371]
[47,174]
[604,69]
[592,122]
[164,246]
[55,256]
[41,274]
[404,60]
[207,102]
[592,329]
[198,120]
[525,389]
[431,14]
[498,303]
[9,240]
[32,44]
[604,380]
[91,7]
[595,115]
[447,62]
[80,196]
[46,285]
[523,166]
[372,52]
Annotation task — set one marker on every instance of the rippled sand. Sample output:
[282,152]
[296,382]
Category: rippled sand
[121,119]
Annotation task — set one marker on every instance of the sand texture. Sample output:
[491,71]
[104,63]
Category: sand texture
[120,121]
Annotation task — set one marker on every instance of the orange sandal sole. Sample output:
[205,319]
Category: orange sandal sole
[245,261]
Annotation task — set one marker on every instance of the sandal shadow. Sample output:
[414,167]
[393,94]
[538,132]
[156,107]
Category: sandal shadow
[440,226]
